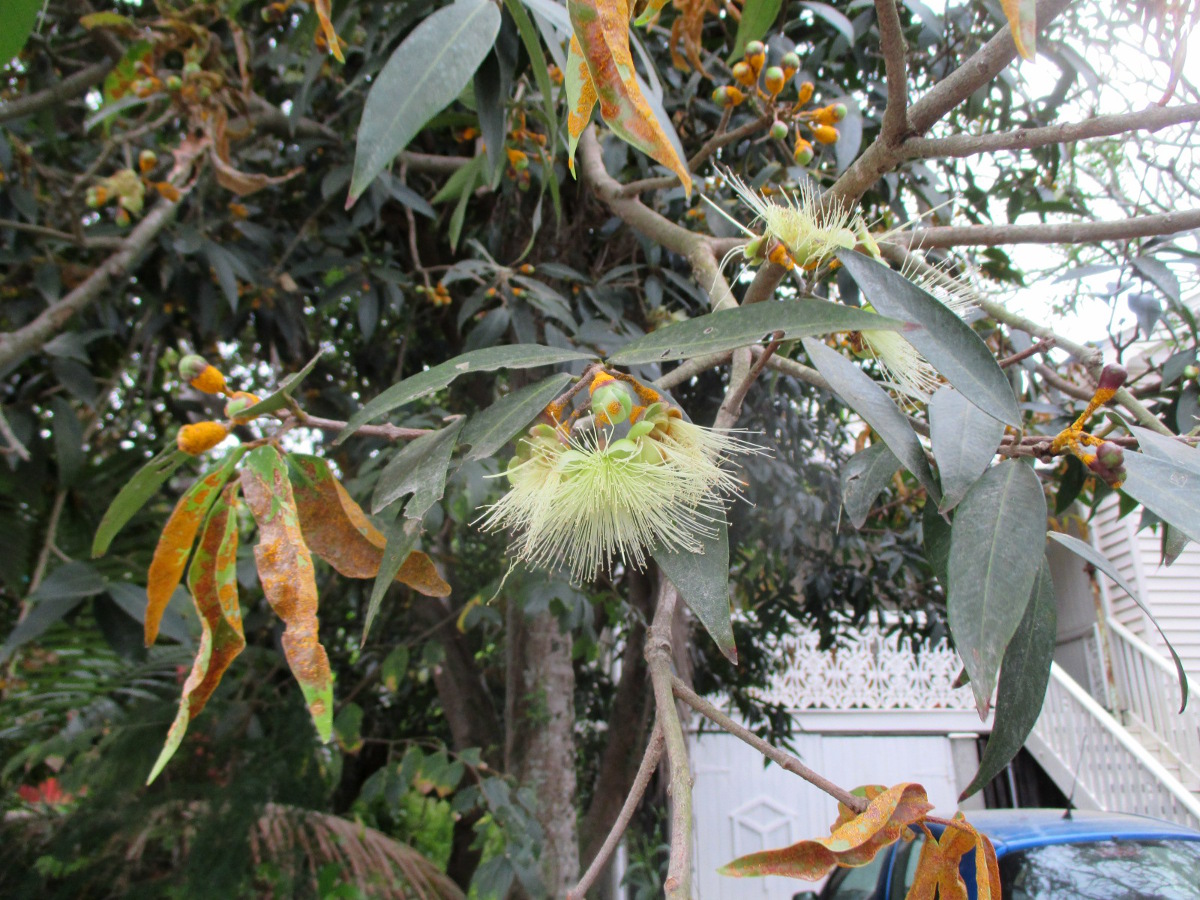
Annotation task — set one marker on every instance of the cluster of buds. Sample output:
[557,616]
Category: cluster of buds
[200,437]
[633,476]
[438,295]
[754,78]
[128,189]
[1103,458]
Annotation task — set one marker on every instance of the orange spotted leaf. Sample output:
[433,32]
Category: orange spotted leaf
[212,580]
[337,530]
[854,840]
[175,544]
[322,8]
[581,98]
[937,868]
[602,30]
[1022,19]
[285,569]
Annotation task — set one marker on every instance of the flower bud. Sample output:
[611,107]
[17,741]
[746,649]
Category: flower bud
[774,80]
[803,154]
[728,95]
[1111,455]
[1112,377]
[805,93]
[743,74]
[200,375]
[611,404]
[239,402]
[147,160]
[779,255]
[200,437]
[839,111]
[756,56]
[790,63]
[826,134]
[779,131]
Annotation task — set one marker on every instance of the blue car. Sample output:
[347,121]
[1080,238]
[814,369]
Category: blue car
[1046,856]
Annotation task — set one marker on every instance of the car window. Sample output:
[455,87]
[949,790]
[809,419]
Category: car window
[858,883]
[1104,870]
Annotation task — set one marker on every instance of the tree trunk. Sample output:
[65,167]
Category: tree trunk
[540,747]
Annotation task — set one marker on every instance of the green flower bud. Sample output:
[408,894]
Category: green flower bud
[779,131]
[192,366]
[611,404]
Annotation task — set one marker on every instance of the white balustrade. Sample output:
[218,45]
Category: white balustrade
[1148,694]
[1078,741]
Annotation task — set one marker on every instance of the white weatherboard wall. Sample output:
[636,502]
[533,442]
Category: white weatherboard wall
[1172,592]
[741,807]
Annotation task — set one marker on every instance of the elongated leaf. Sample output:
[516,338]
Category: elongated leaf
[511,356]
[869,400]
[19,18]
[944,339]
[537,63]
[1170,491]
[419,469]
[491,429]
[866,473]
[1022,18]
[964,440]
[401,535]
[757,18]
[212,580]
[1167,448]
[602,30]
[285,570]
[424,74]
[835,18]
[175,543]
[745,325]
[702,580]
[997,543]
[279,399]
[1024,674]
[1096,558]
[133,496]
[337,530]
[938,865]
[854,841]
[61,591]
[131,598]
[935,536]
[581,98]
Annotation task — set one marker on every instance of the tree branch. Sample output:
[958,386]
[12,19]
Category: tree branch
[766,279]
[1065,233]
[895,51]
[645,771]
[1152,118]
[785,760]
[30,338]
[66,89]
[100,243]
[658,660]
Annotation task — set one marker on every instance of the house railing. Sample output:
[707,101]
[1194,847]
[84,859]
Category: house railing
[1147,689]
[1080,744]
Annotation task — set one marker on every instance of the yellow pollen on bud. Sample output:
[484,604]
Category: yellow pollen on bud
[201,436]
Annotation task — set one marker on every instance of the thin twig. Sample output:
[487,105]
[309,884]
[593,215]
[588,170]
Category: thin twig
[641,780]
[1040,347]
[389,432]
[1064,233]
[67,88]
[101,243]
[658,661]
[785,760]
[14,444]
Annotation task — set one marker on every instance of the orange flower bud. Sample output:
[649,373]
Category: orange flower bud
[147,160]
[803,154]
[200,437]
[826,134]
[240,401]
[805,93]
[743,74]
[780,256]
[756,56]
[826,115]
[167,191]
[200,375]
[791,65]
[773,80]
[728,95]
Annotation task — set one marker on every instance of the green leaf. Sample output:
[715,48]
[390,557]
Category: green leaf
[997,543]
[68,442]
[702,580]
[1173,543]
[419,469]
[757,18]
[1170,491]
[19,18]
[537,63]
[394,669]
[935,535]
[401,534]
[511,356]
[745,325]
[133,496]
[949,343]
[866,473]
[1168,449]
[491,429]
[964,440]
[858,391]
[423,76]
[279,399]
[132,600]
[1089,553]
[1069,485]
[1024,675]
[57,595]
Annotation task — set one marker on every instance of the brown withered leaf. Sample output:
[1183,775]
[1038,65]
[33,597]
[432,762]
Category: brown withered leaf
[285,569]
[322,9]
[854,840]
[175,543]
[337,530]
[212,580]
[938,866]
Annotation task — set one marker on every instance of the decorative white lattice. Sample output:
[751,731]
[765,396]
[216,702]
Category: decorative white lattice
[871,671]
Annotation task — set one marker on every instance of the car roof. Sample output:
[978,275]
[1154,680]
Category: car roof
[1016,829]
